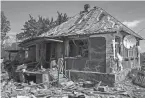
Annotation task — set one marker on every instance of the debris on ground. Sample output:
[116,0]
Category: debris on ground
[70,89]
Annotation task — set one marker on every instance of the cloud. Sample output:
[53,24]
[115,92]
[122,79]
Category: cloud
[132,24]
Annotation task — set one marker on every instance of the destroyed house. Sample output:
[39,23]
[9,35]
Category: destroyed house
[94,45]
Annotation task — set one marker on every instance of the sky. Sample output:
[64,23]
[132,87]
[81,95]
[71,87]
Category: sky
[130,13]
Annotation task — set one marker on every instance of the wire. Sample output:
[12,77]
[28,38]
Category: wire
[141,30]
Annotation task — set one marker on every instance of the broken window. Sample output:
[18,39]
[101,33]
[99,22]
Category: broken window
[130,53]
[78,48]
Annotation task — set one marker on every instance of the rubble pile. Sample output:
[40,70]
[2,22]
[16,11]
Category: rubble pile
[70,89]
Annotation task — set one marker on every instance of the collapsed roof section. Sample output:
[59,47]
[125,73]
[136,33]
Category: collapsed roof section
[89,22]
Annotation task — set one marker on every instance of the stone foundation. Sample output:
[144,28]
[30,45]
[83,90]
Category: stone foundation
[107,79]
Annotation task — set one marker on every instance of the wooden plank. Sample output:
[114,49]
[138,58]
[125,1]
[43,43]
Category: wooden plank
[90,72]
[38,40]
[46,39]
[31,72]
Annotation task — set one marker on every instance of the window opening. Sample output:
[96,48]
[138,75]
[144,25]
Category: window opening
[78,48]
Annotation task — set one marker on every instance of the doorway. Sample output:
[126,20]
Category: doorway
[48,53]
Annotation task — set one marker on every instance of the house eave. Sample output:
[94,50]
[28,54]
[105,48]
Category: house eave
[38,40]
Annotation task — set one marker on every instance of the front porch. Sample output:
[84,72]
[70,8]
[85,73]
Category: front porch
[41,55]
[41,51]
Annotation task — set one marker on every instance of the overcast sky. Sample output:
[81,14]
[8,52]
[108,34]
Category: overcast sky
[131,13]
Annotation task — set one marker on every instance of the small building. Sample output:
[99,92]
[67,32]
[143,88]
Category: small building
[95,46]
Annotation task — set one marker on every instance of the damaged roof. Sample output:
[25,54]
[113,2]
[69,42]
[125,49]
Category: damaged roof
[94,21]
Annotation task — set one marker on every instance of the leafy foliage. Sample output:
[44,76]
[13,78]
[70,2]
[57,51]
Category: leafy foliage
[33,27]
[5,28]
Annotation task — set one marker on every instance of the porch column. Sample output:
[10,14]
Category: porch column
[67,48]
[43,50]
[37,52]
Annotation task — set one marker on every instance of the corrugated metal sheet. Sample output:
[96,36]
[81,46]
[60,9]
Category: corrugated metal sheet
[94,21]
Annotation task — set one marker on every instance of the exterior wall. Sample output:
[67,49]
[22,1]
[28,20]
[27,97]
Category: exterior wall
[75,67]
[74,63]
[112,66]
[95,77]
[129,62]
[83,61]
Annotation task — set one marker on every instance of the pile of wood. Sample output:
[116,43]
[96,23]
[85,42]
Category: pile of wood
[70,89]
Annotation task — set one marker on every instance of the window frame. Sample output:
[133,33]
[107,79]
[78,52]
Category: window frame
[79,49]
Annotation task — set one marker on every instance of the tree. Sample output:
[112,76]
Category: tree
[61,18]
[33,27]
[5,28]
